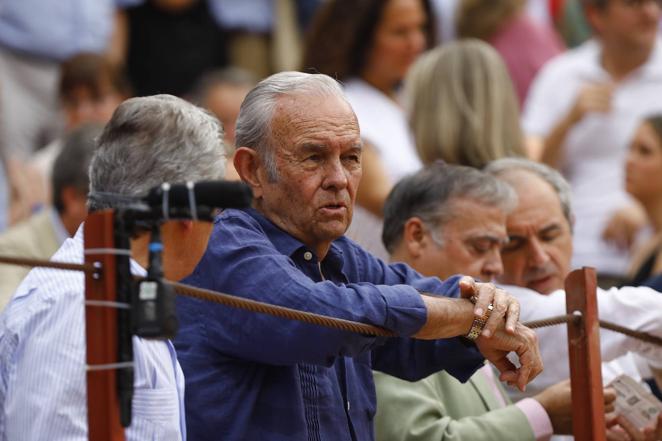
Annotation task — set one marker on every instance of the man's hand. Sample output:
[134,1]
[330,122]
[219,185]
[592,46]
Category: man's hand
[627,431]
[524,342]
[557,401]
[506,307]
[592,98]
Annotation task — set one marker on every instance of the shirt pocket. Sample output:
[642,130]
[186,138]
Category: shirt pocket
[155,415]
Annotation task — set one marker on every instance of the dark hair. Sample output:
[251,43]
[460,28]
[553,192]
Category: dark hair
[655,121]
[94,72]
[70,168]
[342,34]
[429,193]
[600,4]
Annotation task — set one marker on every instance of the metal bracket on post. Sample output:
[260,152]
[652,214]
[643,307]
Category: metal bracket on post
[588,410]
[103,415]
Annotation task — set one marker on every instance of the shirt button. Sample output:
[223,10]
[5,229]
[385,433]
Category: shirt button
[307,255]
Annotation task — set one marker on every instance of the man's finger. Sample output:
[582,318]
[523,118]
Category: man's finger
[484,297]
[512,316]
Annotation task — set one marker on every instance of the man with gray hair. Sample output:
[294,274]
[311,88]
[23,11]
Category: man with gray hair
[42,338]
[537,256]
[251,376]
[443,220]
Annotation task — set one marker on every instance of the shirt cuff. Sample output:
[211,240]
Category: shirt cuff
[537,417]
[405,310]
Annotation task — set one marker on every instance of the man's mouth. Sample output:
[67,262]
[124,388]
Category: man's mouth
[540,283]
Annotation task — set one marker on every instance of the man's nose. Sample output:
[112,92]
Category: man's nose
[537,254]
[493,266]
[335,175]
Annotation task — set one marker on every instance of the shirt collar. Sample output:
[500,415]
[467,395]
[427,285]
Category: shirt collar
[284,242]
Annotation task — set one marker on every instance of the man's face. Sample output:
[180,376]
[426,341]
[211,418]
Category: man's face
[539,250]
[317,152]
[631,24]
[471,241]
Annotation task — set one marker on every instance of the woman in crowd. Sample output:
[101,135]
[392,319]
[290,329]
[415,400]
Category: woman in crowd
[524,43]
[643,171]
[462,106]
[369,45]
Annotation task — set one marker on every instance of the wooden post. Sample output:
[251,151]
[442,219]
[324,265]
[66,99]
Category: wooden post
[101,331]
[588,410]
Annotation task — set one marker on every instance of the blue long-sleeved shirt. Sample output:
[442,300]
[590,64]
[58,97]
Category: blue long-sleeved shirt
[257,377]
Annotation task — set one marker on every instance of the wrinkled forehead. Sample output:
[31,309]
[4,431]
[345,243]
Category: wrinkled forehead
[538,203]
[314,117]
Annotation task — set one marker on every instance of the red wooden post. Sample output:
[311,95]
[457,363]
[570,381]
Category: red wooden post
[588,409]
[101,331]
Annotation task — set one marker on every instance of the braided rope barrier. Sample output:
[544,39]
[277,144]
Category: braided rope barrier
[309,317]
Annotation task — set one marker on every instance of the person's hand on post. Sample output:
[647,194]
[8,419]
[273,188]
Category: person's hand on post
[557,401]
[523,342]
[505,306]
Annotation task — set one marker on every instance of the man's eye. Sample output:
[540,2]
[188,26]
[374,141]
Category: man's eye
[513,244]
[353,158]
[481,247]
[550,236]
[314,158]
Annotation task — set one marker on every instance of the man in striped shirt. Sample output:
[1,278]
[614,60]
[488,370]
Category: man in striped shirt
[42,344]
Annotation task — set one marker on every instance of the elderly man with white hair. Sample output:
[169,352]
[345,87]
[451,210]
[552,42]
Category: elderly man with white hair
[252,376]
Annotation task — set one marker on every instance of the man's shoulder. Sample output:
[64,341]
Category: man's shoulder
[43,288]
[30,237]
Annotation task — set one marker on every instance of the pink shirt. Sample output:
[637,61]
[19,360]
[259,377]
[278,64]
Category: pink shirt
[525,45]
[532,409]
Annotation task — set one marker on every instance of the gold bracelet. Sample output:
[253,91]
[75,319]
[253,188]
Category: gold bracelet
[479,322]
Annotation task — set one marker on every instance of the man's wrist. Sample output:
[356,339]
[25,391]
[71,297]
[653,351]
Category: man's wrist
[446,317]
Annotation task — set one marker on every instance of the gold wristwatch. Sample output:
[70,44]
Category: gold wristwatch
[479,322]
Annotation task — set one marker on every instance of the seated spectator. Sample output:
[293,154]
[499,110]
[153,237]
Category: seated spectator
[537,256]
[369,46]
[581,112]
[441,221]
[42,332]
[525,44]
[643,165]
[43,233]
[252,376]
[461,105]
[90,89]
[453,219]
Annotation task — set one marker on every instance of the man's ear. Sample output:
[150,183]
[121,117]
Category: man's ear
[247,164]
[414,236]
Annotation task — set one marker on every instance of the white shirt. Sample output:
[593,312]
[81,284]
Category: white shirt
[594,150]
[637,308]
[43,392]
[384,125]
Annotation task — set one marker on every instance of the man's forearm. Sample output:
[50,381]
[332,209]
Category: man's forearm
[446,318]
